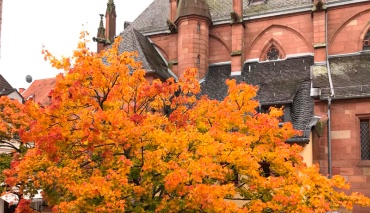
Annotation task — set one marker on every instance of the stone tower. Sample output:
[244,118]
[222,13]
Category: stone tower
[105,36]
[193,21]
[110,21]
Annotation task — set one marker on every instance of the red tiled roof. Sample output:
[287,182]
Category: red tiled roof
[39,90]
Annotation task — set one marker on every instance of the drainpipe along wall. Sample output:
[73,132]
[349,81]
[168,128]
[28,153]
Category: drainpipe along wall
[330,97]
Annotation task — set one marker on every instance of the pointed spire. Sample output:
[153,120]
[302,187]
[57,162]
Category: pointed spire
[100,38]
[111,7]
[101,29]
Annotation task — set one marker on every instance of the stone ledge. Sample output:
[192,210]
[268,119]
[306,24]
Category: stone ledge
[364,163]
[319,45]
[236,53]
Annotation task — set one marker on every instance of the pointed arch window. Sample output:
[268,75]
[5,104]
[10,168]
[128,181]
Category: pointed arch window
[272,54]
[366,42]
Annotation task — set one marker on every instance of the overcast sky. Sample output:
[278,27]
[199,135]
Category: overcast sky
[27,25]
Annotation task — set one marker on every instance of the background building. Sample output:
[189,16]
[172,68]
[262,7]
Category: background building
[1,20]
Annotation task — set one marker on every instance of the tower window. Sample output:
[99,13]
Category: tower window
[198,27]
[272,54]
[366,42]
[198,59]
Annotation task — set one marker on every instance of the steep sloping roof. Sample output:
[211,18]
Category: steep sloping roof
[350,77]
[39,90]
[214,85]
[153,18]
[148,55]
[274,6]
[280,82]
[5,87]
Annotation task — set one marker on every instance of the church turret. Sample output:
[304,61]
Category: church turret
[110,21]
[100,37]
[106,36]
[101,29]
[193,21]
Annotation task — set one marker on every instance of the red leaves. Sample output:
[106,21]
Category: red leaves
[24,207]
[137,119]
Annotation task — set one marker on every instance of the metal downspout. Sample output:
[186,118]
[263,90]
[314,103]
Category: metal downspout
[330,97]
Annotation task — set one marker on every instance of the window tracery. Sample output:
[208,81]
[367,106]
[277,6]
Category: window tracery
[272,54]
[366,42]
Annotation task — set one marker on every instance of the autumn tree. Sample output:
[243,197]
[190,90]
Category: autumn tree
[110,141]
[14,120]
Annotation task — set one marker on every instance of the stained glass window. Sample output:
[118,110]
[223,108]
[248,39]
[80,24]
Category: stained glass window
[366,43]
[272,54]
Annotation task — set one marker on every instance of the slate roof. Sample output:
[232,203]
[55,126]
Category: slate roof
[148,55]
[214,85]
[153,18]
[275,6]
[280,82]
[350,77]
[5,87]
[39,90]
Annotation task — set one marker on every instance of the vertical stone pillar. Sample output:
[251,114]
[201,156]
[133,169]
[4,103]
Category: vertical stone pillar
[110,21]
[237,42]
[173,9]
[319,31]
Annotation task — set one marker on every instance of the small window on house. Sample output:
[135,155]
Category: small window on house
[366,42]
[272,53]
[286,117]
[365,139]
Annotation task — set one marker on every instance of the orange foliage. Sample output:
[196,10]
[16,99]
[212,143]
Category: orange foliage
[112,142]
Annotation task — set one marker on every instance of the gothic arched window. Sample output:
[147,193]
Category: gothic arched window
[366,42]
[272,54]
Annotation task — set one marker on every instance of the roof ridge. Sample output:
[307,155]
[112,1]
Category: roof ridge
[44,79]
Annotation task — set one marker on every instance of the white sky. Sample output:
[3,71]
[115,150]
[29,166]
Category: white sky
[27,25]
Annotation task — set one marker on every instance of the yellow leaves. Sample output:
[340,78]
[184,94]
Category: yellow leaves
[276,112]
[339,182]
[111,141]
[241,96]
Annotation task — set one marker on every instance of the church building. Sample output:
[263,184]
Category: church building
[310,56]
